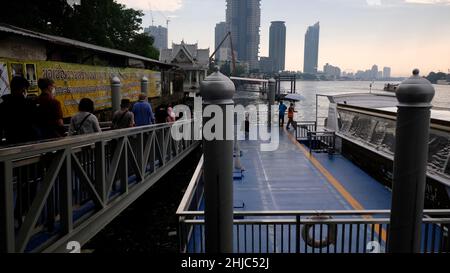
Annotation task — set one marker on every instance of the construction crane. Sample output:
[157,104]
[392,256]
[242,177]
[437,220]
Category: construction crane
[151,13]
[167,20]
[233,59]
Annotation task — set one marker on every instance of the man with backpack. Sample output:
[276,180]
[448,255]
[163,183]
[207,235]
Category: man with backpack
[123,118]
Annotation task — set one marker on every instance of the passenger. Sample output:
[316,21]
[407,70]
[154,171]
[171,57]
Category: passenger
[291,112]
[50,116]
[180,116]
[84,122]
[123,118]
[171,117]
[282,111]
[18,114]
[161,114]
[142,110]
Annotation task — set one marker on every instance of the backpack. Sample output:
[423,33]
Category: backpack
[78,129]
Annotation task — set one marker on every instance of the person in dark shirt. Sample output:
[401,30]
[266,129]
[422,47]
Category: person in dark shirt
[123,118]
[161,114]
[50,116]
[17,114]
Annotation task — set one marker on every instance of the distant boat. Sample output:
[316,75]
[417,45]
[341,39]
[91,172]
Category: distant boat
[390,87]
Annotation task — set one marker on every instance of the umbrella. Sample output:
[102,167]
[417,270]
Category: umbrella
[294,97]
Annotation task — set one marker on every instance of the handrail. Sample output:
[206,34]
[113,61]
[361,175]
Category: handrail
[14,152]
[73,187]
[188,195]
[314,212]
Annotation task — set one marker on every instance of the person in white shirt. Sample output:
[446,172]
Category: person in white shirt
[84,122]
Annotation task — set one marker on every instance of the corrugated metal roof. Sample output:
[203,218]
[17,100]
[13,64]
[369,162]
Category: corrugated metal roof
[74,43]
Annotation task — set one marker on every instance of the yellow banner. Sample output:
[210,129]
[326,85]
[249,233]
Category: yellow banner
[75,81]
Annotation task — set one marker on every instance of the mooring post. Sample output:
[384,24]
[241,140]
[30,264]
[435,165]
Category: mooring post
[218,90]
[271,99]
[144,85]
[115,93]
[410,163]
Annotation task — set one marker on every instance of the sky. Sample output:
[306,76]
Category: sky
[354,34]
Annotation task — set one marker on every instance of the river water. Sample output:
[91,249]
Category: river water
[307,108]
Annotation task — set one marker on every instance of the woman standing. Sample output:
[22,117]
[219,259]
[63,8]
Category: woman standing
[84,122]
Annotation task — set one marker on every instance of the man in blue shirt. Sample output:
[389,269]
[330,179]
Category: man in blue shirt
[282,109]
[143,114]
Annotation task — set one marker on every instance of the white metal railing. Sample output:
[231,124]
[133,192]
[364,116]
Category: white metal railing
[69,189]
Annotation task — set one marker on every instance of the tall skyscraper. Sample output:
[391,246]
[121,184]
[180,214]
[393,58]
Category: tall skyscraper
[220,32]
[311,58]
[277,45]
[374,72]
[387,72]
[160,35]
[243,19]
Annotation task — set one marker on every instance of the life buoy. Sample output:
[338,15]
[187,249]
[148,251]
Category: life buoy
[331,233]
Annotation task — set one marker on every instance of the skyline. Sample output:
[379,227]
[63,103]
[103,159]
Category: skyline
[401,34]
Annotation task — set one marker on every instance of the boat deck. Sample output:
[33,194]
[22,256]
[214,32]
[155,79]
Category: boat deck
[291,178]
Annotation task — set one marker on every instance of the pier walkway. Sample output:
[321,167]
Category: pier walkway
[291,178]
[55,196]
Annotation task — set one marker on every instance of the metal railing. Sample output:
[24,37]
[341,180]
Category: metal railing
[304,231]
[303,128]
[324,141]
[317,141]
[69,189]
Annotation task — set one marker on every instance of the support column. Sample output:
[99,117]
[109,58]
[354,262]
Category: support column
[271,99]
[190,79]
[144,85]
[218,90]
[115,93]
[410,164]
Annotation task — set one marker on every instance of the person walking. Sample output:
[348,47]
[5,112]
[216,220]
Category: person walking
[123,118]
[143,113]
[291,112]
[18,114]
[171,117]
[282,111]
[84,122]
[161,114]
[49,113]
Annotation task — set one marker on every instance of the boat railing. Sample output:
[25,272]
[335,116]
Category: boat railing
[309,231]
[317,141]
[303,128]
[324,141]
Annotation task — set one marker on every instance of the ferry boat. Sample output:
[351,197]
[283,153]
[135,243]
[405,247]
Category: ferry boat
[364,125]
[390,87]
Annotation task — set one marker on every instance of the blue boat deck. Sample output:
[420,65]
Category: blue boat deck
[292,179]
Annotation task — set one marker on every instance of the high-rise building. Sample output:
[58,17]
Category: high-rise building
[160,36]
[220,33]
[243,19]
[387,72]
[277,45]
[311,58]
[374,72]
[266,65]
[331,72]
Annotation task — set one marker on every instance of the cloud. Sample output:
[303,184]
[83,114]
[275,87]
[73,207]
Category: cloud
[396,3]
[374,2]
[161,5]
[428,1]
